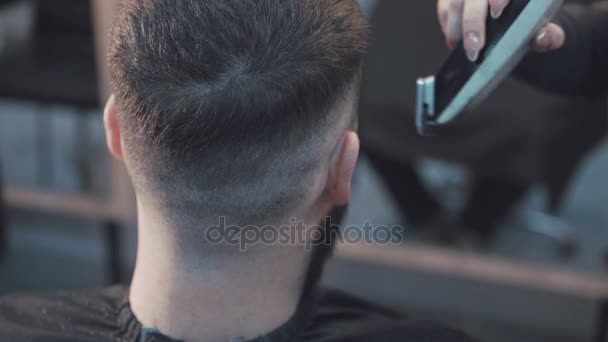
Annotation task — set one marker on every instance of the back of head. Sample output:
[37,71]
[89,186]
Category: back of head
[224,105]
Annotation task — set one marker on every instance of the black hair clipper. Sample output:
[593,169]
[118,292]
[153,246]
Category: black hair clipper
[461,84]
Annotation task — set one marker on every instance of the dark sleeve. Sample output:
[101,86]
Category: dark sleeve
[580,67]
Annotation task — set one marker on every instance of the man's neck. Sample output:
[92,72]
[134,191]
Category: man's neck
[214,298]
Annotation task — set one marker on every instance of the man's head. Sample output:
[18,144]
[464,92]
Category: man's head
[236,108]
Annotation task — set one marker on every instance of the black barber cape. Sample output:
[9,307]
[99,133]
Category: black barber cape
[105,315]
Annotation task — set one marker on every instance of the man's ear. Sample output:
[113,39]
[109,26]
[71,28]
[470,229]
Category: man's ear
[343,162]
[113,135]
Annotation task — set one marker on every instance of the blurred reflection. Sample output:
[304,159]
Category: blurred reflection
[48,69]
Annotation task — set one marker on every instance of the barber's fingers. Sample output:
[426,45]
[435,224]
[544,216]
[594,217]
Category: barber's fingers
[474,27]
[450,17]
[467,18]
[442,13]
[550,37]
[497,7]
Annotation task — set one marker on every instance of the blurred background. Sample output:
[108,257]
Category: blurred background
[506,214]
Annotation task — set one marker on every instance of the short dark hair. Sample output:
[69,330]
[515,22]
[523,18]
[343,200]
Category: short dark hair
[220,100]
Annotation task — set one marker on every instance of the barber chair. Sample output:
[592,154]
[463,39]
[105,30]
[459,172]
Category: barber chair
[57,65]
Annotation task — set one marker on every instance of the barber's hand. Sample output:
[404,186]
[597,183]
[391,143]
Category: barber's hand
[466,19]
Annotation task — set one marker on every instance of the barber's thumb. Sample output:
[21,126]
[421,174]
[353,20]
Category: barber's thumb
[550,37]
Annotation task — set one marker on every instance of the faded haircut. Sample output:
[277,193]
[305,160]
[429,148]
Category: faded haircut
[224,104]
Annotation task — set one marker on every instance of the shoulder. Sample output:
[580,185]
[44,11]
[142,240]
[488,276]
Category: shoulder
[61,316]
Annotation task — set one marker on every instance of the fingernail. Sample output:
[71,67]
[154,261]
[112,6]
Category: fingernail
[496,11]
[473,45]
[543,40]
